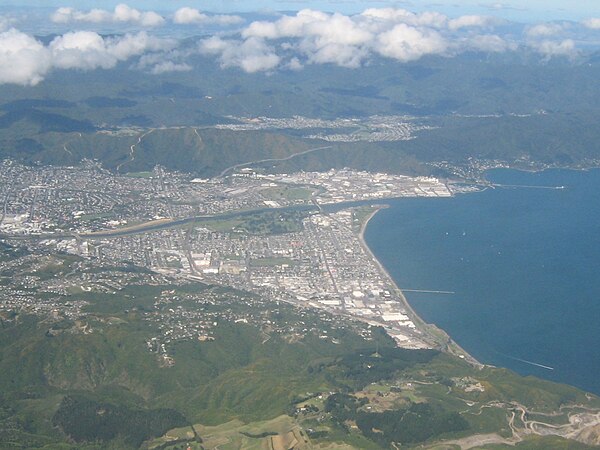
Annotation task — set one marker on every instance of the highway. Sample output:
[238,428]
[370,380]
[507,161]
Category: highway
[260,161]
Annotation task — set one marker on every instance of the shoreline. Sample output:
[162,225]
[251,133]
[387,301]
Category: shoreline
[433,334]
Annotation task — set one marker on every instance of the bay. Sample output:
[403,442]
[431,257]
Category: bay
[524,264]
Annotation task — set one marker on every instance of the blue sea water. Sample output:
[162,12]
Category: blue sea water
[524,264]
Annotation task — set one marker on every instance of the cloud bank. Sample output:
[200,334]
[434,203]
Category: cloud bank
[26,61]
[315,37]
[550,48]
[124,14]
[121,14]
[284,42]
[189,16]
[592,23]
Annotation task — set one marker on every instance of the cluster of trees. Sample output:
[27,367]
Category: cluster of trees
[86,420]
[417,423]
[358,369]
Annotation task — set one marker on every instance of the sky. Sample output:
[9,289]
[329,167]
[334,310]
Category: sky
[524,11]
[510,9]
[86,36]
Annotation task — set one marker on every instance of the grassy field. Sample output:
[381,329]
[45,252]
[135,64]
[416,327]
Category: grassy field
[271,262]
[285,192]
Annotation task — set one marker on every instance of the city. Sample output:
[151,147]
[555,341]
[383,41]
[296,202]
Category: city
[295,238]
[371,129]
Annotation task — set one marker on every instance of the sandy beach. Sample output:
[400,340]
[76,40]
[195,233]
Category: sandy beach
[433,335]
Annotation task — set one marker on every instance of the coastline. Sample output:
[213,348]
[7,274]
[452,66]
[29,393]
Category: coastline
[435,336]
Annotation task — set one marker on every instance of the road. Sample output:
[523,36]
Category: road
[132,149]
[260,161]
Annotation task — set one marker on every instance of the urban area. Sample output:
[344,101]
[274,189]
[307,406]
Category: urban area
[293,238]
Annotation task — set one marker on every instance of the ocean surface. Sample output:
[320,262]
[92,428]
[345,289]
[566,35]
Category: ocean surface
[524,264]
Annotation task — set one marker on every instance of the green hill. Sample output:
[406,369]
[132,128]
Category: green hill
[94,383]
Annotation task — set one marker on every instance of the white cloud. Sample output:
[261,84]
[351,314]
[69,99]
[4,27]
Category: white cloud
[384,16]
[548,40]
[555,48]
[121,14]
[316,37]
[87,50]
[189,15]
[338,54]
[290,42]
[130,45]
[340,30]
[170,66]
[294,64]
[490,43]
[68,14]
[322,28]
[23,59]
[124,13]
[592,23]
[349,40]
[470,21]
[406,43]
[6,22]
[186,16]
[431,19]
[323,38]
[544,30]
[214,45]
[389,15]
[251,55]
[26,61]
[165,61]
[84,50]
